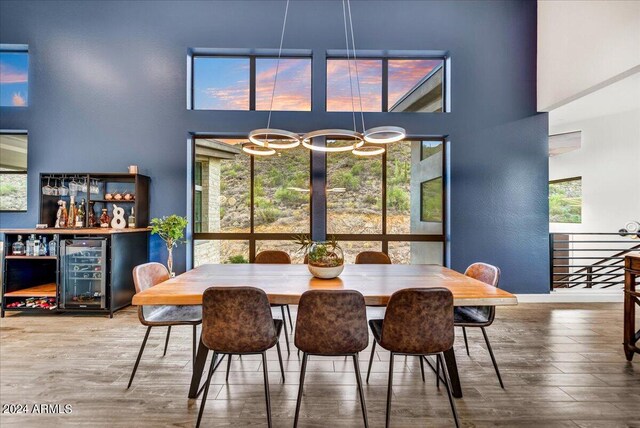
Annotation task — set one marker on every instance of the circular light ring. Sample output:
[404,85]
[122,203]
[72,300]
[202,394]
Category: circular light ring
[257,150]
[368,150]
[384,134]
[260,137]
[306,140]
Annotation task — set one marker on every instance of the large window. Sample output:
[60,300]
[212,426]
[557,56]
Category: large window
[245,204]
[13,172]
[565,200]
[14,78]
[247,83]
[386,84]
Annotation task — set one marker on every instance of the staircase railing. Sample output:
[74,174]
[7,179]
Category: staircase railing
[589,260]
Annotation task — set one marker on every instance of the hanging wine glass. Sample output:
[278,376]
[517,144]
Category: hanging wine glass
[47,190]
[63,190]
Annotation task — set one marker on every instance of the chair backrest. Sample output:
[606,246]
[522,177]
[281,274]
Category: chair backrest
[419,321]
[273,257]
[149,274]
[488,274]
[237,320]
[331,322]
[372,258]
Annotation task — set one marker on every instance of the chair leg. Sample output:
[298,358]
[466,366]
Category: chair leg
[373,351]
[466,344]
[166,342]
[388,417]
[360,390]
[193,352]
[302,373]
[438,373]
[286,333]
[421,367]
[135,367]
[280,359]
[447,383]
[289,315]
[228,367]
[206,389]
[266,387]
[493,358]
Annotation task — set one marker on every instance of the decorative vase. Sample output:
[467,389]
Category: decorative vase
[170,259]
[326,259]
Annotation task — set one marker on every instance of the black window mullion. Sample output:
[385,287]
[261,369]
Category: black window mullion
[252,83]
[385,84]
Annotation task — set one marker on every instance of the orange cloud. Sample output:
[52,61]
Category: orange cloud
[18,100]
[369,77]
[293,88]
[9,74]
[404,74]
[234,97]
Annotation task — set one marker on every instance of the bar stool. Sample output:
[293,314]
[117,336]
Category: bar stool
[331,323]
[238,321]
[146,276]
[282,258]
[372,258]
[418,322]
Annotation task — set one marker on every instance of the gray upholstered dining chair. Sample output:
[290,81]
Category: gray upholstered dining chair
[146,276]
[331,323]
[281,258]
[419,322]
[372,258]
[238,321]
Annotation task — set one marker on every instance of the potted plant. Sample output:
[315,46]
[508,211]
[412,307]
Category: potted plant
[325,258]
[171,230]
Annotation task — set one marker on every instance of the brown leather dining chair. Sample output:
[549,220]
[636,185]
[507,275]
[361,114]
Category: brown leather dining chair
[372,258]
[331,323]
[281,258]
[146,276]
[238,321]
[418,322]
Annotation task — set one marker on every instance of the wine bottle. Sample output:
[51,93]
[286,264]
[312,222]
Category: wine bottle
[80,215]
[131,221]
[71,219]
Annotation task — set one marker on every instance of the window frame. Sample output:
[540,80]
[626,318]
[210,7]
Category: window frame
[252,77]
[385,79]
[18,49]
[25,172]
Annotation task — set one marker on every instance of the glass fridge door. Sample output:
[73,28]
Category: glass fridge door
[83,265]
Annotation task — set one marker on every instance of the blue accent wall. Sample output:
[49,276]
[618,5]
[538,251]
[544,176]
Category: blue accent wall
[108,89]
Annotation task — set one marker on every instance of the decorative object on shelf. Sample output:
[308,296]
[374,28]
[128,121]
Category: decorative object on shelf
[325,258]
[61,216]
[108,196]
[365,143]
[129,196]
[171,231]
[131,221]
[117,196]
[133,169]
[118,221]
[104,219]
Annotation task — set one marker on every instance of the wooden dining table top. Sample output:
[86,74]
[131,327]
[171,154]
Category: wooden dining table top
[284,284]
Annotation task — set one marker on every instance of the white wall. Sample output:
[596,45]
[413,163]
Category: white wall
[609,163]
[583,45]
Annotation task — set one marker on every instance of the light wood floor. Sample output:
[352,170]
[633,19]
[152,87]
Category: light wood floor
[563,366]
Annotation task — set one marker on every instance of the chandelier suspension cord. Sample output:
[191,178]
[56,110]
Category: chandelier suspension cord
[355,58]
[275,79]
[346,39]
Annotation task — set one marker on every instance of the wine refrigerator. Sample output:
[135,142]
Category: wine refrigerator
[83,274]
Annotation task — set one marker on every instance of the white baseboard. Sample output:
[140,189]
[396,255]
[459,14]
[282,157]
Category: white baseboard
[574,296]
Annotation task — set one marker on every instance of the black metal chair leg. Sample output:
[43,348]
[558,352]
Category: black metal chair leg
[193,352]
[493,358]
[466,344]
[135,367]
[166,342]
[421,366]
[206,389]
[302,373]
[280,359]
[228,367]
[289,314]
[447,382]
[360,390]
[388,417]
[286,333]
[266,387]
[373,351]
[438,373]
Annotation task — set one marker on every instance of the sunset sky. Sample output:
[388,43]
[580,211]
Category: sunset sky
[14,88]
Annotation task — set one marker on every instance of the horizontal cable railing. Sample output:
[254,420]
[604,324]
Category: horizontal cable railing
[590,260]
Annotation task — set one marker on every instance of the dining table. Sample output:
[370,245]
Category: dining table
[285,284]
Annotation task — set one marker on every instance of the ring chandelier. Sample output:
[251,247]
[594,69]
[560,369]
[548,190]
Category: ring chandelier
[369,142]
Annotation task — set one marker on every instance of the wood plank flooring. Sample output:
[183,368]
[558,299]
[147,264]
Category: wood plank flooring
[562,364]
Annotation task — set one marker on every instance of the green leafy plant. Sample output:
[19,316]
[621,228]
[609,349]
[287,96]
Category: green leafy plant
[321,254]
[171,231]
[237,259]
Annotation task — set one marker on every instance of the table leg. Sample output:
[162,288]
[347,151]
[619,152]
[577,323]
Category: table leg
[450,359]
[198,367]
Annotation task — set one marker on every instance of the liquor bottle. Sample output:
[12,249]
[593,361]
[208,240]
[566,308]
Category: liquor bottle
[80,215]
[17,248]
[43,246]
[71,219]
[105,220]
[36,245]
[29,245]
[64,215]
[131,221]
[93,219]
[53,247]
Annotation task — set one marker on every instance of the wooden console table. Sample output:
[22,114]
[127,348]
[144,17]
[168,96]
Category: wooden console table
[631,299]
